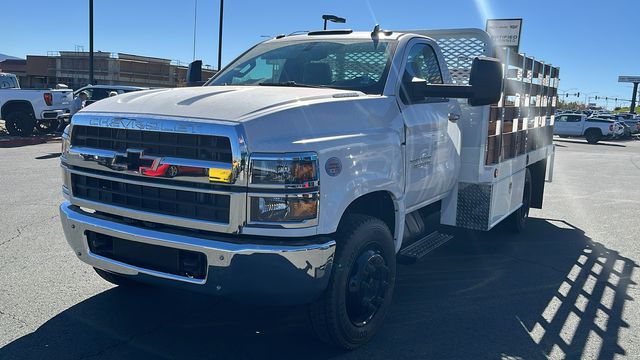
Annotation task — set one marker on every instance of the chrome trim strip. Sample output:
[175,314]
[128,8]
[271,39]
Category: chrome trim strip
[145,183]
[106,160]
[135,269]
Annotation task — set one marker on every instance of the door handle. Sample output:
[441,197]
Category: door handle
[454,117]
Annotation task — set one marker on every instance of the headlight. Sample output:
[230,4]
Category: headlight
[286,208]
[297,175]
[290,170]
[66,140]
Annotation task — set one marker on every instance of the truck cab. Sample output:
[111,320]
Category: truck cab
[314,160]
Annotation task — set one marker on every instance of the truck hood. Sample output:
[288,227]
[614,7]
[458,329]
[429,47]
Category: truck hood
[229,103]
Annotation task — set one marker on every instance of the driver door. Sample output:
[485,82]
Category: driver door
[432,149]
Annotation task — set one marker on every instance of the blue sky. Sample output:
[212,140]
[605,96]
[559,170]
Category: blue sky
[592,41]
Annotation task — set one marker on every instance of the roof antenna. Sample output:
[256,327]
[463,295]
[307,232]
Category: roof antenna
[376,30]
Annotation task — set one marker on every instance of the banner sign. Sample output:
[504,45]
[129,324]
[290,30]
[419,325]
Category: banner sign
[631,79]
[505,32]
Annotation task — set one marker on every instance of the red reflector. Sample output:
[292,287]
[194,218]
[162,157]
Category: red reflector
[48,98]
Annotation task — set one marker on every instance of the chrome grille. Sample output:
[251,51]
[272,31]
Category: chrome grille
[155,143]
[180,203]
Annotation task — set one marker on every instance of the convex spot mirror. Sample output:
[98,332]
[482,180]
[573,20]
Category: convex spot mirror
[485,84]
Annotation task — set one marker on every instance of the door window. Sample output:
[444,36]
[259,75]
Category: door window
[422,63]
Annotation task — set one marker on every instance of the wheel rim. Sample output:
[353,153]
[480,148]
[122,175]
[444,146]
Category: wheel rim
[172,171]
[46,125]
[367,286]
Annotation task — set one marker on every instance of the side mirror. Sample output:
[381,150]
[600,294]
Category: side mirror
[194,73]
[485,84]
[486,80]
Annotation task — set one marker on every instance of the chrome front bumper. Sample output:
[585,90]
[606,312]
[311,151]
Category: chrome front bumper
[262,273]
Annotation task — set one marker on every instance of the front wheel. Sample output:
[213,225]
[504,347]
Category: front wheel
[358,297]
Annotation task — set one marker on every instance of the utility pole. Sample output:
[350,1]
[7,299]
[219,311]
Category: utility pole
[91,42]
[632,109]
[195,22]
[220,35]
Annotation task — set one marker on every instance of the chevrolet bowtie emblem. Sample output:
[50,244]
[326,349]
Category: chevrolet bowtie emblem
[132,159]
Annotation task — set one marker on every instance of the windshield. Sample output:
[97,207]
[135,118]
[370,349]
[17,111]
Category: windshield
[360,65]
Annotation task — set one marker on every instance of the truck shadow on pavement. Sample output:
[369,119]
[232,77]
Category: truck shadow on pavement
[549,292]
[617,142]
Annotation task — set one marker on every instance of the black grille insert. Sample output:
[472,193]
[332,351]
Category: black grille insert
[153,257]
[155,143]
[187,204]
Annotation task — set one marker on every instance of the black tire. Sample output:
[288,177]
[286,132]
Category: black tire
[47,126]
[114,278]
[353,307]
[172,171]
[19,123]
[593,136]
[517,221]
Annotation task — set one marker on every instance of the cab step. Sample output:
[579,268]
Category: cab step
[419,249]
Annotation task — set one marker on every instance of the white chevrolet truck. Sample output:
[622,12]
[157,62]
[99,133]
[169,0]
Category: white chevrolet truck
[593,129]
[304,170]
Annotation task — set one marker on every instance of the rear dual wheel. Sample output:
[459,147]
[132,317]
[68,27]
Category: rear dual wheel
[518,219]
[593,136]
[358,297]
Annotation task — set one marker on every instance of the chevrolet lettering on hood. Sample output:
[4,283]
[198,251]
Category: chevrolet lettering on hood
[143,124]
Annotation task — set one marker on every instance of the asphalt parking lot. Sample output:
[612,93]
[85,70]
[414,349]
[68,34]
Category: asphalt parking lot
[568,287]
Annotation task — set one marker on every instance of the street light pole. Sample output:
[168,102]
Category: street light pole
[91,42]
[220,35]
[632,108]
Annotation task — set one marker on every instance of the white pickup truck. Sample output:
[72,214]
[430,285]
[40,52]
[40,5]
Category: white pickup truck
[303,170]
[593,129]
[26,110]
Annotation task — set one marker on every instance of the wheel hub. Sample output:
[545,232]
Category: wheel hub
[366,287]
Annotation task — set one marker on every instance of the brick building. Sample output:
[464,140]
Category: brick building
[72,69]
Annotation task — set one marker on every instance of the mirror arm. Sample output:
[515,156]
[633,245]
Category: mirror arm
[449,91]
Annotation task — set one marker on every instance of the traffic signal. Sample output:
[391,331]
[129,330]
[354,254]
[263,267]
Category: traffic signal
[596,97]
[578,94]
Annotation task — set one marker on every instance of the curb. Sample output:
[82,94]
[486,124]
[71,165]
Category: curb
[35,140]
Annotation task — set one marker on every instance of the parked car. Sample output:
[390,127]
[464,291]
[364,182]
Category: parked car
[26,110]
[99,92]
[593,129]
[630,120]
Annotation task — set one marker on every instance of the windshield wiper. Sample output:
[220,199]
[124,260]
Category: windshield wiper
[290,83]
